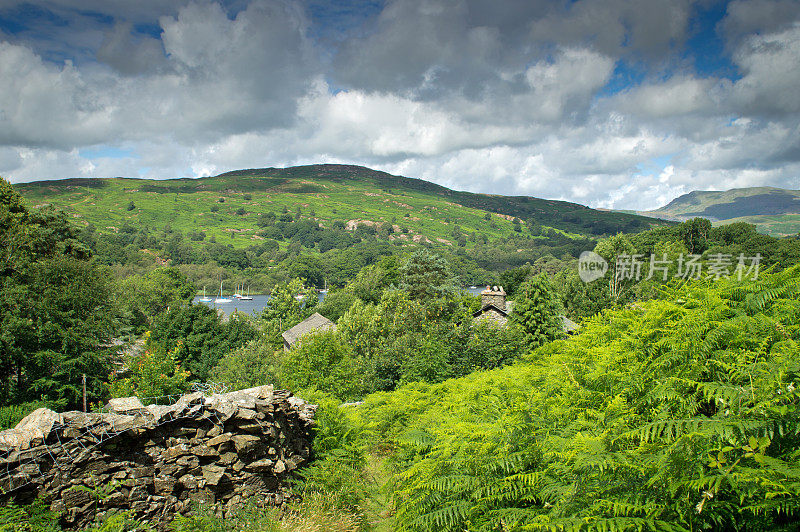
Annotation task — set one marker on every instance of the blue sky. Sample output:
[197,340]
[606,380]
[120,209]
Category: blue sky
[609,103]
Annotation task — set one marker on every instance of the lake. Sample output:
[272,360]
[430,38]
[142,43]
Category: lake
[259,302]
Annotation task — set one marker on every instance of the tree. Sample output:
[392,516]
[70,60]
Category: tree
[695,234]
[426,275]
[253,364]
[143,297]
[56,311]
[203,337]
[324,362]
[537,310]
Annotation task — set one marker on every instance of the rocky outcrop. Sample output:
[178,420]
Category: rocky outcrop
[221,450]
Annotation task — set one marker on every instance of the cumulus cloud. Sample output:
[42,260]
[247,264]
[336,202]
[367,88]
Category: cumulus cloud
[592,101]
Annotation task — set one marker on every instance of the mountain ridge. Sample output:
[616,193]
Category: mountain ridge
[774,210]
[332,192]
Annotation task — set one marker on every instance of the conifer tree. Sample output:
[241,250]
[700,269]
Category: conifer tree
[538,311]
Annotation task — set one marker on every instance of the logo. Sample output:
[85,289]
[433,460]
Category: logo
[591,266]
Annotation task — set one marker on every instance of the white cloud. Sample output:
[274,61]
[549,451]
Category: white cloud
[460,92]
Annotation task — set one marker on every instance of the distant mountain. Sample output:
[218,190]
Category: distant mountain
[775,211]
[231,203]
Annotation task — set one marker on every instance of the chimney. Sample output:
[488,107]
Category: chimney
[494,296]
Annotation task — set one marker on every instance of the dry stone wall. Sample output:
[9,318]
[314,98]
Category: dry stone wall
[220,450]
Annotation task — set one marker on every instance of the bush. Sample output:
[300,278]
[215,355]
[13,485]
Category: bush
[681,413]
[323,361]
[154,376]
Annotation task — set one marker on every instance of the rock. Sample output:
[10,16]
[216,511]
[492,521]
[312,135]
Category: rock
[222,438]
[228,458]
[32,430]
[164,485]
[123,405]
[176,451]
[75,498]
[221,450]
[245,442]
[204,451]
[213,474]
[260,466]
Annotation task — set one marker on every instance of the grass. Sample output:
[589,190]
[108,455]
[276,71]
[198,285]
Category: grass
[324,192]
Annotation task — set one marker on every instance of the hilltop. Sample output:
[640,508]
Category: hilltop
[229,205]
[774,211]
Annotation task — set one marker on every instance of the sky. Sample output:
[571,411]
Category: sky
[621,104]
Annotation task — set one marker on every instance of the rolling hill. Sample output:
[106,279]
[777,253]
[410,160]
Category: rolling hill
[229,205]
[774,211]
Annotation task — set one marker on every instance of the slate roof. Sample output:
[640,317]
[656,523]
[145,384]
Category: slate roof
[485,308]
[568,325]
[315,322]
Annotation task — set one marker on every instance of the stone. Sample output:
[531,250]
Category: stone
[204,496]
[213,474]
[32,430]
[228,458]
[217,440]
[124,405]
[260,466]
[220,450]
[75,498]
[188,481]
[164,485]
[176,451]
[204,451]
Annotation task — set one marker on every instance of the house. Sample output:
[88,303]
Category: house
[495,307]
[314,323]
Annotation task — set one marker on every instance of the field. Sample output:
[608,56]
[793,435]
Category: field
[226,207]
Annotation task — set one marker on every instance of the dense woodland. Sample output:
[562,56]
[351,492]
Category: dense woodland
[674,407]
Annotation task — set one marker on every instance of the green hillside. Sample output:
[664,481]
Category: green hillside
[228,206]
[774,211]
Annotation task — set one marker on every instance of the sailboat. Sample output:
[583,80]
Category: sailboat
[205,299]
[221,299]
[237,295]
[247,297]
[324,290]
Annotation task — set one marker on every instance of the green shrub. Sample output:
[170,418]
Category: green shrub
[324,361]
[673,414]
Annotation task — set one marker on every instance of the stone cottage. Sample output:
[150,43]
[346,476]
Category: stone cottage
[494,307]
[315,322]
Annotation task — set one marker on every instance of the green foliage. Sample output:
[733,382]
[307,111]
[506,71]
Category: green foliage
[254,364]
[537,311]
[323,361]
[249,517]
[426,275]
[695,233]
[204,338]
[153,376]
[56,308]
[337,471]
[680,413]
[146,296]
[35,517]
